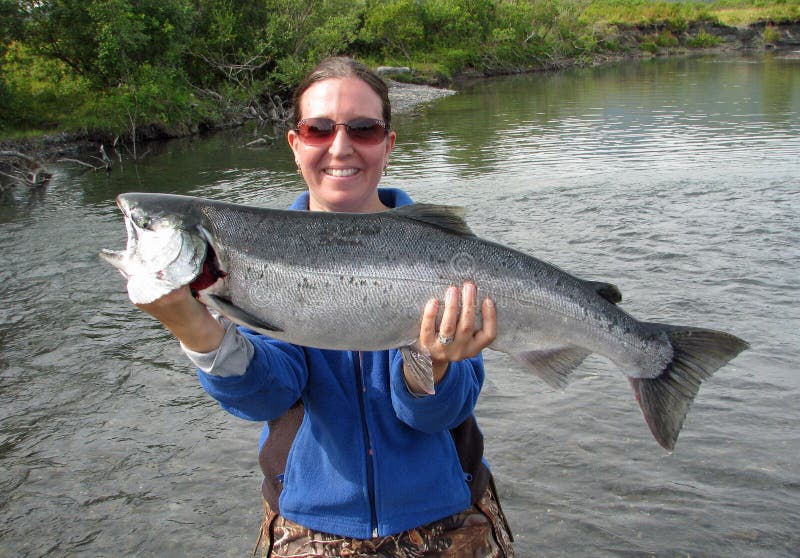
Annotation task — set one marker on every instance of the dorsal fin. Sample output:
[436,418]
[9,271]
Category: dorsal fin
[608,291]
[447,217]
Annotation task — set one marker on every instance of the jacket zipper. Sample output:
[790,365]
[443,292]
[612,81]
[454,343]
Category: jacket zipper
[370,466]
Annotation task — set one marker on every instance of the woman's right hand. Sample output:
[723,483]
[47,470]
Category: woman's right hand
[188,319]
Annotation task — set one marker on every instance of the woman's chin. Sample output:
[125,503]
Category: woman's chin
[347,198]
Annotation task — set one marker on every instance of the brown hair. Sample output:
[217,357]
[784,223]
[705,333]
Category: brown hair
[339,67]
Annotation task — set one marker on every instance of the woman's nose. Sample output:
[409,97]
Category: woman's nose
[341,143]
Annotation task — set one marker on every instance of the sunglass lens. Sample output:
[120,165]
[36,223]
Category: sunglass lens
[319,129]
[366,130]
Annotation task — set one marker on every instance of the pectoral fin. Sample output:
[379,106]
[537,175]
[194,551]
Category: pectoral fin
[419,364]
[553,365]
[236,314]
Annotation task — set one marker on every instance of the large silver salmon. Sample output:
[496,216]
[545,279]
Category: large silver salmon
[360,282]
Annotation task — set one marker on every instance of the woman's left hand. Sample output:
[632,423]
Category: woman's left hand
[456,338]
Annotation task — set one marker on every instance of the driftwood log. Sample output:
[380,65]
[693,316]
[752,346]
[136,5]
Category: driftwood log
[20,168]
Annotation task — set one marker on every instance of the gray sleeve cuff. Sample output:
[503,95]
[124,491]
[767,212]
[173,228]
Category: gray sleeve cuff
[231,357]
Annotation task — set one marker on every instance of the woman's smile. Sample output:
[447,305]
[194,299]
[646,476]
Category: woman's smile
[340,172]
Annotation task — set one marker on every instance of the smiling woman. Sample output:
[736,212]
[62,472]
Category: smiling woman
[342,165]
[378,462]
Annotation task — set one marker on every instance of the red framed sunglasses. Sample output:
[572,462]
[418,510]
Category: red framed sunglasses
[363,131]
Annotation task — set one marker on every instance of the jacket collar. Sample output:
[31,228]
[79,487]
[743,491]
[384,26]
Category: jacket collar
[390,197]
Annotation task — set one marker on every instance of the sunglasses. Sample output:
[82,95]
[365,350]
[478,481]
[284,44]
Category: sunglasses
[363,131]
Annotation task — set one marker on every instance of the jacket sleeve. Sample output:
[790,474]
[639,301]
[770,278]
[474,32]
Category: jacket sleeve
[273,381]
[454,400]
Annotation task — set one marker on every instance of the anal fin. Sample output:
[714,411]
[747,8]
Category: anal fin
[553,365]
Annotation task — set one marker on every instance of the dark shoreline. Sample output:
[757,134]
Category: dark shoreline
[406,96]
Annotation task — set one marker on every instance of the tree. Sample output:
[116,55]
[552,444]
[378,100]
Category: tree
[106,40]
[397,25]
[11,27]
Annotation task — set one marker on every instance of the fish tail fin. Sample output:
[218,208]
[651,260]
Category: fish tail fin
[697,354]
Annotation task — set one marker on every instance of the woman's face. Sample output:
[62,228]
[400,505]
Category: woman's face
[342,175]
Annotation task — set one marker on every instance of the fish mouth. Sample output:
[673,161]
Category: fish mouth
[119,258]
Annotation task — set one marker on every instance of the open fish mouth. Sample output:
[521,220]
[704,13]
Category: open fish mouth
[158,258]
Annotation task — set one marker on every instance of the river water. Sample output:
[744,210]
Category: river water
[678,180]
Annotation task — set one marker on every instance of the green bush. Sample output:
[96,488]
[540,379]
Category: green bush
[455,60]
[703,39]
[396,28]
[666,39]
[649,46]
[39,92]
[458,22]
[771,35]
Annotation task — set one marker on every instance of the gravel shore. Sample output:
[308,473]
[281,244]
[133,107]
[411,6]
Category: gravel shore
[405,96]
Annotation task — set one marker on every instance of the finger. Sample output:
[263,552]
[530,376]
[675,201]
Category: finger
[469,297]
[488,332]
[447,327]
[427,329]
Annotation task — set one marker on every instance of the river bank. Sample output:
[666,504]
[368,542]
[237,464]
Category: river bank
[633,42]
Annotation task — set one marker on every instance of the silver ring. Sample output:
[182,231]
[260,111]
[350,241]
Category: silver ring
[445,340]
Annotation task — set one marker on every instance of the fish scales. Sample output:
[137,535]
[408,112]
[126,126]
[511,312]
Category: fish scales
[324,288]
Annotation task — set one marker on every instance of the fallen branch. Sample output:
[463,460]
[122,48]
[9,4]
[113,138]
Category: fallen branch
[105,160]
[18,155]
[264,140]
[24,169]
[84,163]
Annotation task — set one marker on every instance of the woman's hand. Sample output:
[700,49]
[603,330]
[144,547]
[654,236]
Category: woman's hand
[456,338]
[188,319]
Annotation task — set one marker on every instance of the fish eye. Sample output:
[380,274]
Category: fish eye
[141,218]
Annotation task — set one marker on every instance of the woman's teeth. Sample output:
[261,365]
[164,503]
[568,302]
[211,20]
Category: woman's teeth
[341,172]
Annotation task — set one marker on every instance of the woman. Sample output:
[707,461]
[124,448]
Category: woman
[358,461]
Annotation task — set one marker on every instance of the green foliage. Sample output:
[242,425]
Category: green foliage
[105,40]
[267,43]
[11,23]
[153,96]
[453,60]
[39,92]
[771,35]
[676,15]
[649,46]
[655,41]
[703,39]
[744,12]
[455,23]
[666,39]
[302,32]
[125,64]
[395,26]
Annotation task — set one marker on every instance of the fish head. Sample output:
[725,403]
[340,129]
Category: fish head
[166,245]
[152,212]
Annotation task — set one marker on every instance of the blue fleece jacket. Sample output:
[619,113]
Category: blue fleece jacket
[370,458]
